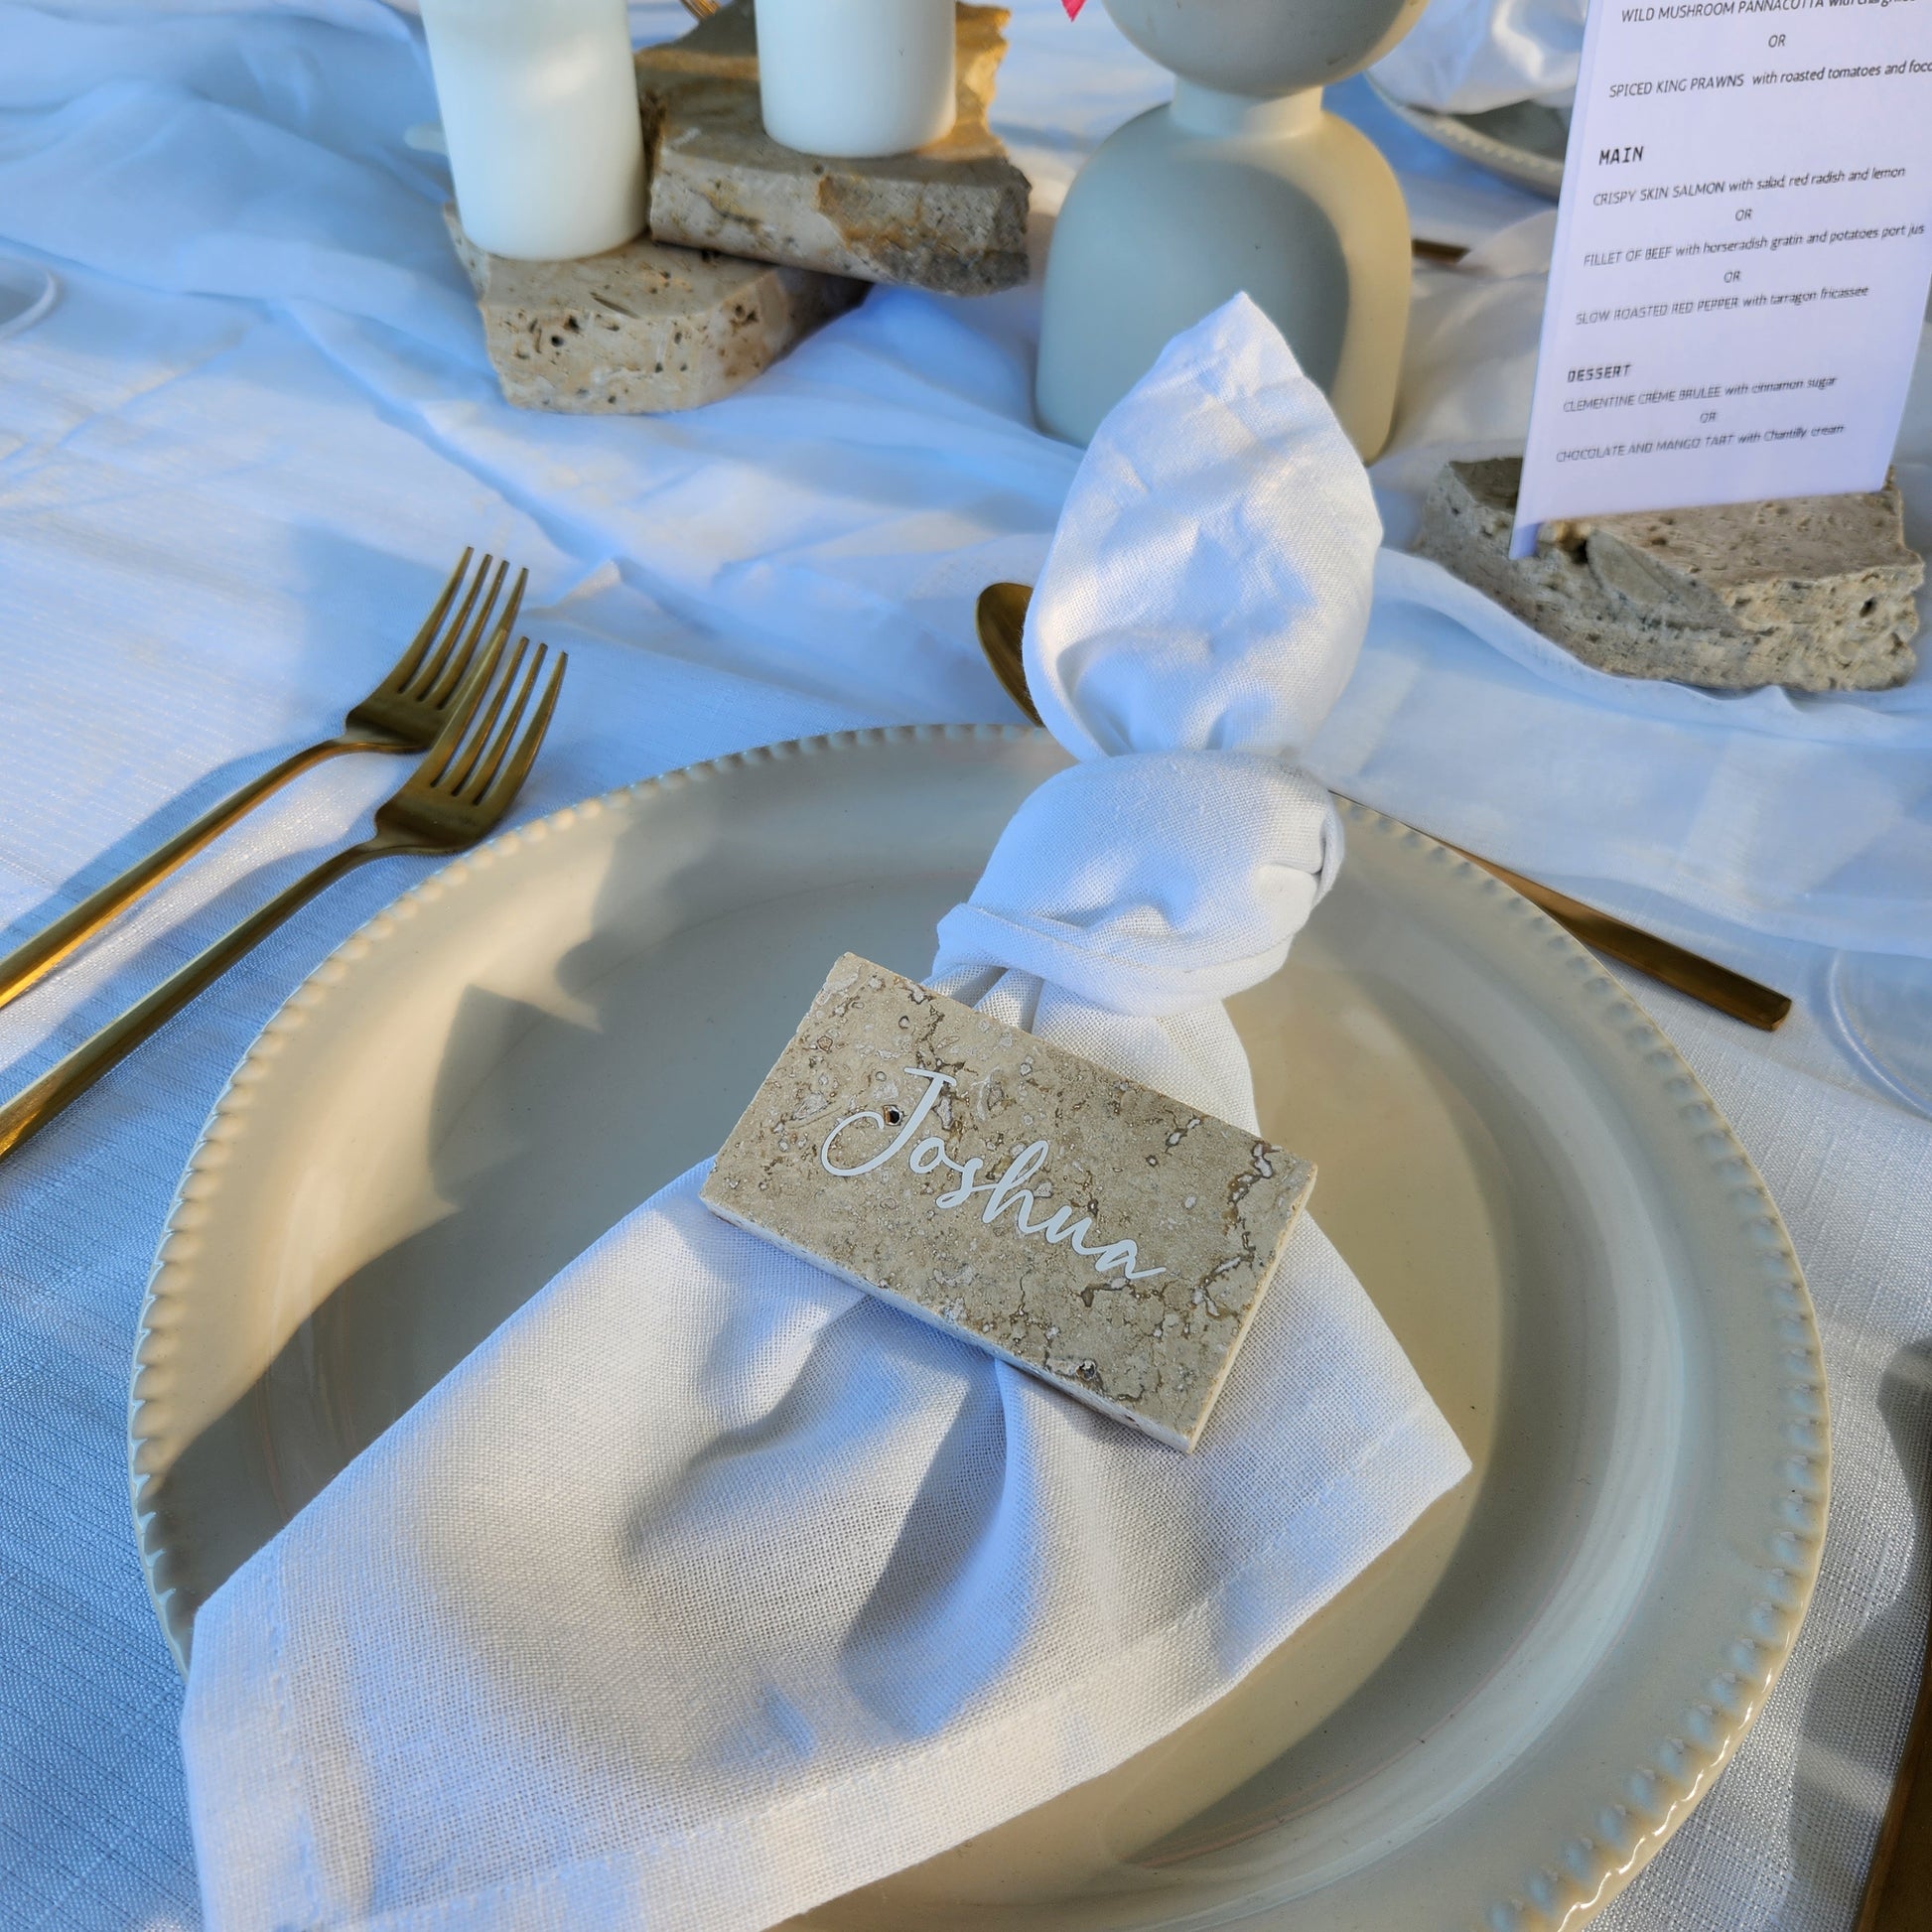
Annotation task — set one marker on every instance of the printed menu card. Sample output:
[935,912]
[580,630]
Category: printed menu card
[1742,256]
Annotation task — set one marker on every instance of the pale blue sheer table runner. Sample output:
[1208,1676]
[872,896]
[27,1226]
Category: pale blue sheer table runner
[251,438]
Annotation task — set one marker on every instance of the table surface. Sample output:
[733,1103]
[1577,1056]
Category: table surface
[244,450]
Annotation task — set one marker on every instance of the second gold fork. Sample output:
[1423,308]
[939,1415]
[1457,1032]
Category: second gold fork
[454,799]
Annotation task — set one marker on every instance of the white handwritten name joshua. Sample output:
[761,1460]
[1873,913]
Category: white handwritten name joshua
[1007,1190]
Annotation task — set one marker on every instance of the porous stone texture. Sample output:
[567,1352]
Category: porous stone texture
[1813,592]
[643,327]
[1102,1236]
[950,216]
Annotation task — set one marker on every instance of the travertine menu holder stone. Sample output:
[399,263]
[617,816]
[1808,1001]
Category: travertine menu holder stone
[1096,1233]
[951,217]
[1813,592]
[641,328]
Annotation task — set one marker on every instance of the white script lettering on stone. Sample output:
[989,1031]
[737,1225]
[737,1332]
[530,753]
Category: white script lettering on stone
[1006,1190]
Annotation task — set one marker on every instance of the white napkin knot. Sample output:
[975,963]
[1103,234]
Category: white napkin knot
[1153,882]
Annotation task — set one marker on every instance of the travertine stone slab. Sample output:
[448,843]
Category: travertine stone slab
[1815,592]
[643,327]
[951,217]
[1088,1229]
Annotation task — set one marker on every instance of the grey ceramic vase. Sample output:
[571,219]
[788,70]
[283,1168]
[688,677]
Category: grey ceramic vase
[1241,183]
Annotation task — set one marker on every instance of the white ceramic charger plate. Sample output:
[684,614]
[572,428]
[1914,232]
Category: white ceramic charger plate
[1496,1725]
[1523,142]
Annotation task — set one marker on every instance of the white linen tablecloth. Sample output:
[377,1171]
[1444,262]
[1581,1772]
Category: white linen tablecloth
[1463,56]
[252,437]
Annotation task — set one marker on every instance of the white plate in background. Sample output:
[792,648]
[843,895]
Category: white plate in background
[1523,142]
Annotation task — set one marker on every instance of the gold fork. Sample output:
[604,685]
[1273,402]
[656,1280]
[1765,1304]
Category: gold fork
[403,713]
[450,801]
[1002,619]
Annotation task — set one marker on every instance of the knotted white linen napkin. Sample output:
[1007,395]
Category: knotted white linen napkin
[711,1588]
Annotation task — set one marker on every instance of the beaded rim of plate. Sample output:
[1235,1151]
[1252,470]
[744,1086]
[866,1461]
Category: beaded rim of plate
[1631,1818]
[1596,1863]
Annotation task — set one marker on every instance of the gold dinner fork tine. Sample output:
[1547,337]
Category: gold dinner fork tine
[403,713]
[451,800]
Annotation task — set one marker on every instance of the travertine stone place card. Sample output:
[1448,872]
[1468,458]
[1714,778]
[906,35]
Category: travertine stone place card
[1103,1236]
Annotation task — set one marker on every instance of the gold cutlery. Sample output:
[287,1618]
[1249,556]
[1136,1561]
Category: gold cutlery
[404,713]
[1002,619]
[451,800]
[701,9]
[1898,1883]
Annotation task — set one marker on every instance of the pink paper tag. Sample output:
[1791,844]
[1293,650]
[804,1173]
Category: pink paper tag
[1073,8]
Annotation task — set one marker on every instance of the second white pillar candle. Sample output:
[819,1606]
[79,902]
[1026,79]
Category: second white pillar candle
[539,102]
[856,77]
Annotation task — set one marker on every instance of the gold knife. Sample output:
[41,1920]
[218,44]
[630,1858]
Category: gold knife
[1898,1885]
[1002,619]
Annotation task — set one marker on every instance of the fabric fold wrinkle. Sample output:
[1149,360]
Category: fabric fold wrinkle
[950,1588]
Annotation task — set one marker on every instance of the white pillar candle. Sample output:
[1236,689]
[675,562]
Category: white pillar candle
[539,105]
[856,76]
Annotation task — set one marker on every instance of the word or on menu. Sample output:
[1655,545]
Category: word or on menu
[1742,256]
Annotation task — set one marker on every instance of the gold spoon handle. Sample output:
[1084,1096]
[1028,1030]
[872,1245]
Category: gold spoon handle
[1898,1885]
[32,960]
[28,1112]
[1690,973]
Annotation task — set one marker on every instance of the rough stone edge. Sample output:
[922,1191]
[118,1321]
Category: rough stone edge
[1708,656]
[972,156]
[812,298]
